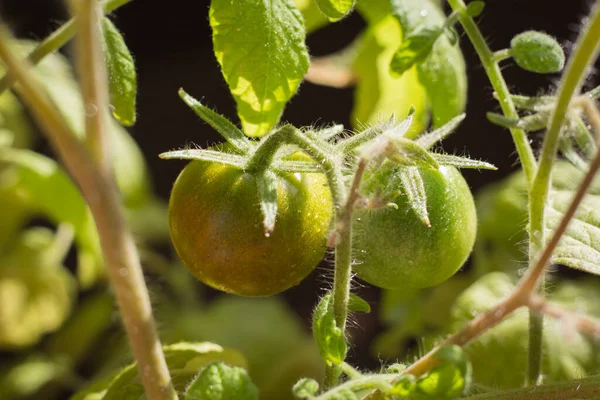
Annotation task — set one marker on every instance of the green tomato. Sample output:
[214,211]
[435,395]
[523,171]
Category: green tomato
[217,229]
[397,251]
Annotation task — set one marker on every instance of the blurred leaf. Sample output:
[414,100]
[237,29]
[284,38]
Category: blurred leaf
[122,78]
[357,304]
[149,223]
[14,122]
[25,377]
[449,379]
[36,291]
[335,9]
[313,17]
[184,361]
[329,338]
[35,178]
[378,95]
[266,331]
[414,49]
[218,381]
[499,356]
[260,47]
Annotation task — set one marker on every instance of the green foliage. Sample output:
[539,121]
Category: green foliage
[15,128]
[218,381]
[537,52]
[329,338]
[122,77]
[305,388]
[335,9]
[263,60]
[499,356]
[36,291]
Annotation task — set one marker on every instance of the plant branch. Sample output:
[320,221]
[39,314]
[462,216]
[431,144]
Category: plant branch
[586,388]
[580,323]
[492,69]
[92,77]
[118,247]
[55,41]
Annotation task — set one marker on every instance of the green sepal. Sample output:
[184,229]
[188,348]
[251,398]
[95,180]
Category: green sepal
[462,162]
[407,152]
[122,78]
[226,128]
[205,155]
[530,123]
[358,304]
[219,381]
[330,339]
[296,166]
[330,132]
[267,190]
[537,103]
[414,188]
[429,139]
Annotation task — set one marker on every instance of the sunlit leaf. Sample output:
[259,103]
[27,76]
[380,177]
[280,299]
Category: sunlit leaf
[330,339]
[260,47]
[218,381]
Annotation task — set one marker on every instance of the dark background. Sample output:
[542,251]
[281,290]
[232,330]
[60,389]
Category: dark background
[171,42]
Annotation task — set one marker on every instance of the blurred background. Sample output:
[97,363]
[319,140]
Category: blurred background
[171,44]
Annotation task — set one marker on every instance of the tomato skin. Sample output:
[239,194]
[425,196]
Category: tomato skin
[217,228]
[397,251]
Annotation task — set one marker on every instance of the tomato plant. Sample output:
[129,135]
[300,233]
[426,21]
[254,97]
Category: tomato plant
[87,236]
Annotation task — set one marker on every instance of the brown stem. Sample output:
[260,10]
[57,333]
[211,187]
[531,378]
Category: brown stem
[118,247]
[581,323]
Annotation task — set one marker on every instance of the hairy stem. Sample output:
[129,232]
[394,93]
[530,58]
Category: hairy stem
[580,323]
[492,69]
[92,76]
[586,50]
[55,41]
[118,247]
[586,388]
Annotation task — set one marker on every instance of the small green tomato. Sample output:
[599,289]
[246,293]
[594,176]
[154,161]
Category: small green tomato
[397,251]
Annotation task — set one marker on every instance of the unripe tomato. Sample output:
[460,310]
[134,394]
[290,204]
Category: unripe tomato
[217,228]
[397,251]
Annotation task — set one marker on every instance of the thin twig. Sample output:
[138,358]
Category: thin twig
[118,247]
[581,323]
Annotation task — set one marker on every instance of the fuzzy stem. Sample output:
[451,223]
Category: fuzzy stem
[118,247]
[92,77]
[494,74]
[55,41]
[585,53]
[586,388]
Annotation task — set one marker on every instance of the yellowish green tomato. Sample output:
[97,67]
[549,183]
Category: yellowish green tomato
[217,228]
[396,250]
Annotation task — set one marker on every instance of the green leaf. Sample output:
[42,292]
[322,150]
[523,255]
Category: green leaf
[305,388]
[448,380]
[427,140]
[475,8]
[440,65]
[25,377]
[184,361]
[414,49]
[260,47]
[537,52]
[15,127]
[34,177]
[379,96]
[330,339]
[205,155]
[462,162]
[218,381]
[314,19]
[122,78]
[335,9]
[415,192]
[357,304]
[36,290]
[267,189]
[228,130]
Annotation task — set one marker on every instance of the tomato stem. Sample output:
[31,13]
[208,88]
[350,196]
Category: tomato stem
[120,254]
